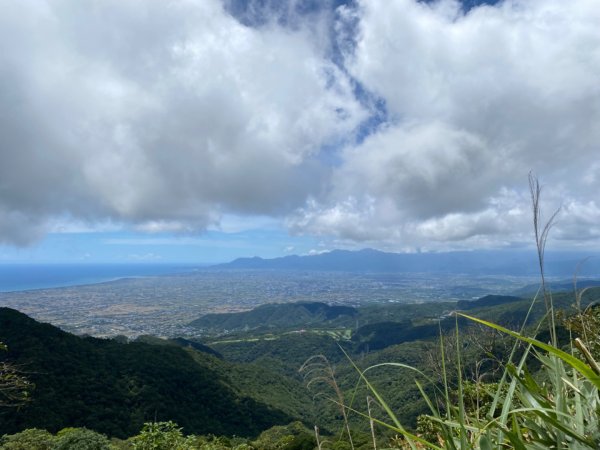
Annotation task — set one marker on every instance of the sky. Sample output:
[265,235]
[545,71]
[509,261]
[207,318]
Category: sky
[199,131]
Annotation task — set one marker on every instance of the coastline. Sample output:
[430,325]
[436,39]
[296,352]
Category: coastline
[31,277]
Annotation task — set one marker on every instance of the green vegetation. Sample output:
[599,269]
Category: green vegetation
[556,406]
[14,387]
[243,384]
[160,436]
[114,388]
[80,439]
[30,439]
[278,316]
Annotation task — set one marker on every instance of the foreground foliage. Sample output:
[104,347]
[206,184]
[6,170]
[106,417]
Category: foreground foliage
[159,436]
[556,408]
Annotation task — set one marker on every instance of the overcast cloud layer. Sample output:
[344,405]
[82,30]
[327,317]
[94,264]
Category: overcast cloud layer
[396,124]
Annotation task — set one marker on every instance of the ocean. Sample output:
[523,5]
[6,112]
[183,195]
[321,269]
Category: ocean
[23,277]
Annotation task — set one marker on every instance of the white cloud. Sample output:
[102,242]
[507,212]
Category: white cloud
[144,257]
[476,100]
[175,116]
[165,115]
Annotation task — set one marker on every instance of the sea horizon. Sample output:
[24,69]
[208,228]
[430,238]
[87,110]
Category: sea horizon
[17,277]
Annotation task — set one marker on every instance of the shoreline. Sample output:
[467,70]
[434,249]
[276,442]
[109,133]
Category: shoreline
[15,278]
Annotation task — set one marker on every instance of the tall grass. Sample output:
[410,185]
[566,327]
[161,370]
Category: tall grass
[556,408]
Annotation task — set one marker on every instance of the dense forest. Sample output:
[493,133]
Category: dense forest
[114,387]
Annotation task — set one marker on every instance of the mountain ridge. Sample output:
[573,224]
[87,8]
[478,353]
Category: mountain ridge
[483,262]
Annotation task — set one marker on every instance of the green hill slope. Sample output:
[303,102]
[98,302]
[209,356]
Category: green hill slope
[275,316]
[114,387]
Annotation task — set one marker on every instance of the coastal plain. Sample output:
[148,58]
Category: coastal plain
[165,305]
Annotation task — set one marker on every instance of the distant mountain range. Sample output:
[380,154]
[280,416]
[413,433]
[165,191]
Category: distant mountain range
[500,262]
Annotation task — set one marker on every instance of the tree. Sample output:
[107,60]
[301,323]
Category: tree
[14,388]
[30,439]
[81,439]
[160,436]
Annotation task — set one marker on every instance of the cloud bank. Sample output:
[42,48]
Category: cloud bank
[399,124]
[476,100]
[161,114]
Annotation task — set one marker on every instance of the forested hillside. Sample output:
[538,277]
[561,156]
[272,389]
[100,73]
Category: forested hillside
[114,387]
[276,316]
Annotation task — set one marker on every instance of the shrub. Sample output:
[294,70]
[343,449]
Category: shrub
[294,436]
[160,436]
[81,439]
[30,439]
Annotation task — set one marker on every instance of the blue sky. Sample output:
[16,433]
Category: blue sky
[202,131]
[125,247]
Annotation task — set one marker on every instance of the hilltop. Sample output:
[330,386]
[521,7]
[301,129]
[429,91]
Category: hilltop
[275,315]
